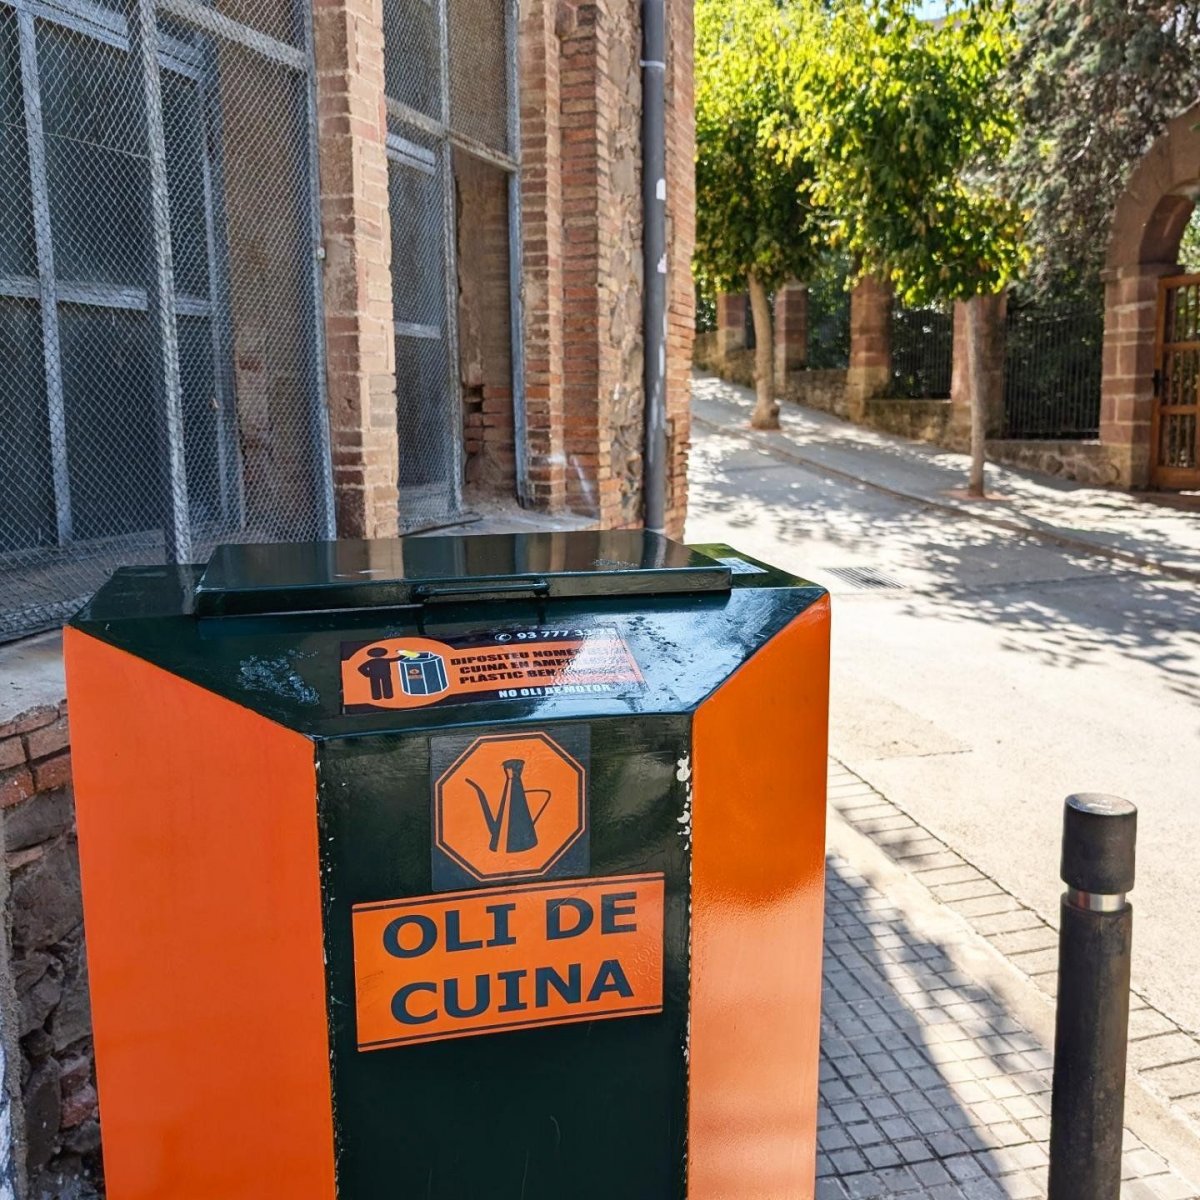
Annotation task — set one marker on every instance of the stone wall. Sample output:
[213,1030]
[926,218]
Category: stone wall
[49,970]
[738,367]
[921,420]
[824,390]
[1081,462]
[706,352]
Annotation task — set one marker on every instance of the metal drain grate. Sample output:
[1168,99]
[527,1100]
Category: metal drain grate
[866,578]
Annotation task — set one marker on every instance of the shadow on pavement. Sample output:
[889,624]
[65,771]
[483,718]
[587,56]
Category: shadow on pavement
[1048,604]
[928,1087]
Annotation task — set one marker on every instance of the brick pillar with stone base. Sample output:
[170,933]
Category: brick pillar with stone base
[791,332]
[1127,392]
[542,251]
[731,323]
[356,233]
[995,316]
[870,369]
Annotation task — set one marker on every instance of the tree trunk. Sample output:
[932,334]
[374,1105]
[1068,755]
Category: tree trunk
[766,410]
[977,391]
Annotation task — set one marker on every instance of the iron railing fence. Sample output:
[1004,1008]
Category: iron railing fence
[1052,370]
[922,353]
[706,310]
[160,330]
[828,325]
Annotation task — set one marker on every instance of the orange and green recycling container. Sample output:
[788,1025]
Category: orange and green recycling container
[454,868]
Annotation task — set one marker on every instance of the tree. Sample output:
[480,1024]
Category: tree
[1096,81]
[752,228]
[903,124]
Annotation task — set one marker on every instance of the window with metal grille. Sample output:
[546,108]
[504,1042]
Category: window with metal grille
[163,374]
[453,163]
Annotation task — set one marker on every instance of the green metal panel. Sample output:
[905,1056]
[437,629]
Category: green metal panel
[286,666]
[589,1111]
[351,574]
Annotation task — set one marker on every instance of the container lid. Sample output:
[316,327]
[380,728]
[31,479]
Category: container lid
[354,574]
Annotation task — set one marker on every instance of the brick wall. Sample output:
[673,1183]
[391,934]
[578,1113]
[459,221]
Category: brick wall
[541,244]
[870,369]
[582,289]
[581,190]
[48,967]
[1127,391]
[356,231]
[681,243]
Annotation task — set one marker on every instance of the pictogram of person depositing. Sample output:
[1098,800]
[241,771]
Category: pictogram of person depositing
[378,669]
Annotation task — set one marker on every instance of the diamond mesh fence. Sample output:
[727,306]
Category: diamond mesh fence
[448,67]
[162,382]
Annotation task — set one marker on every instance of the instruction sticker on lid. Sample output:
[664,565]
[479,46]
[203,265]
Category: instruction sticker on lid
[497,664]
[739,566]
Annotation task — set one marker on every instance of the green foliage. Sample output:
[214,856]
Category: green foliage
[749,214]
[829,311]
[1096,81]
[903,124]
[1189,247]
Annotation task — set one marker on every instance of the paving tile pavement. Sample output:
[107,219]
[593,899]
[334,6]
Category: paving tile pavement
[1165,1057]
[928,1085]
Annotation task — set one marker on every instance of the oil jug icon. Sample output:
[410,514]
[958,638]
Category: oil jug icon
[512,821]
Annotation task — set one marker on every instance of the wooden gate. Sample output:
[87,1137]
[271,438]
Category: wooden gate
[1175,434]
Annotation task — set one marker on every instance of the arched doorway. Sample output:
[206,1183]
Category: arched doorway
[1150,440]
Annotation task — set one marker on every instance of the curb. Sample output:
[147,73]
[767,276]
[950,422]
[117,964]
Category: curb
[1145,1114]
[770,442]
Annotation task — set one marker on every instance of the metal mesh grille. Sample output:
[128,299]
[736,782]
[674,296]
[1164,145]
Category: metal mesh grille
[448,67]
[426,414]
[478,78]
[163,369]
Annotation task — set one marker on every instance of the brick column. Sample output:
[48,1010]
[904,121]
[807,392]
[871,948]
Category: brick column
[870,369]
[582,226]
[352,132]
[1127,390]
[731,323]
[541,241]
[791,331]
[995,322]
[583,35]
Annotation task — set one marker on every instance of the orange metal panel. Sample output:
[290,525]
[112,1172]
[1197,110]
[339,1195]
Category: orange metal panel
[758,870]
[202,912]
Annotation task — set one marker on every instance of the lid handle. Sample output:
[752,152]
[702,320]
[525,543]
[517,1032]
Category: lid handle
[426,592]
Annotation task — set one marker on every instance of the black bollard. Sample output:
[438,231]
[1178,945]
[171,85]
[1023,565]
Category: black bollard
[1087,1114]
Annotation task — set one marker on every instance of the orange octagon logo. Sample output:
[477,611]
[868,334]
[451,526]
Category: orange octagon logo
[510,807]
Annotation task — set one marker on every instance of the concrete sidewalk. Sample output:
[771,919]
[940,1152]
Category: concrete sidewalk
[932,1084]
[989,658]
[1114,524]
